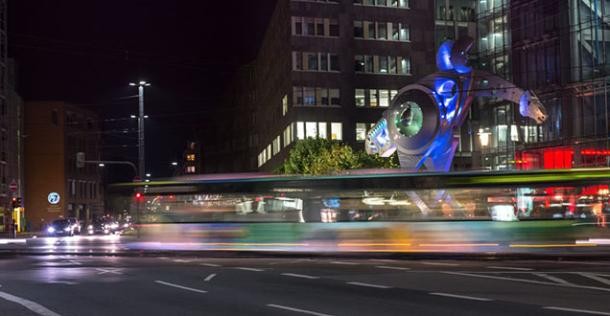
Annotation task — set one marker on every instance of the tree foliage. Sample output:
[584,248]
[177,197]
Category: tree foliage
[317,156]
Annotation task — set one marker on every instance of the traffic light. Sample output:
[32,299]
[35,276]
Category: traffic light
[139,196]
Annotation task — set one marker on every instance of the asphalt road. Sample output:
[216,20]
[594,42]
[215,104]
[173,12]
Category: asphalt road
[52,285]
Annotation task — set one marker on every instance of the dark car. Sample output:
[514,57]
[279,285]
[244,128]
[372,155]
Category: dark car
[62,227]
[103,226]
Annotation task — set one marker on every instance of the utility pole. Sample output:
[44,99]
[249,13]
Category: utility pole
[141,152]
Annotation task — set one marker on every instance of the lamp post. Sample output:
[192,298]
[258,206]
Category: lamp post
[141,152]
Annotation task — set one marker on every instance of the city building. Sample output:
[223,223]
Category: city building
[330,68]
[54,133]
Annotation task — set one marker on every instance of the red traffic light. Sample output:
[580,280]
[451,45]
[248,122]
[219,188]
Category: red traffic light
[139,196]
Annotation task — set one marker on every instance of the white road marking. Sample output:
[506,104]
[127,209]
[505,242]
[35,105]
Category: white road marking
[33,306]
[180,286]
[250,269]
[63,282]
[441,264]
[209,277]
[594,277]
[472,298]
[298,310]
[510,268]
[109,270]
[370,285]
[565,309]
[75,262]
[344,262]
[528,281]
[210,265]
[552,278]
[392,268]
[183,260]
[303,276]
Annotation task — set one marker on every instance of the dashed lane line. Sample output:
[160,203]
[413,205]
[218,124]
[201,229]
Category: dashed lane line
[211,265]
[302,276]
[464,297]
[447,264]
[297,310]
[392,268]
[178,286]
[575,310]
[209,277]
[369,285]
[344,262]
[510,268]
[33,306]
[250,269]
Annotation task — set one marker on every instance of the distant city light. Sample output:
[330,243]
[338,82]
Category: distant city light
[174,163]
[101,165]
[148,175]
[133,116]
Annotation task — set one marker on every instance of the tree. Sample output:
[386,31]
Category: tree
[316,156]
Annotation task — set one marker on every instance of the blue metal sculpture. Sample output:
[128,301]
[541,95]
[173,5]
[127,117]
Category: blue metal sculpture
[423,117]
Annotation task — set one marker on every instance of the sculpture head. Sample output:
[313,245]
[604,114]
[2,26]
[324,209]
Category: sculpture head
[530,106]
[453,55]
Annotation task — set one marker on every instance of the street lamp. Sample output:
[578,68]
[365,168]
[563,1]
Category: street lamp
[174,163]
[141,116]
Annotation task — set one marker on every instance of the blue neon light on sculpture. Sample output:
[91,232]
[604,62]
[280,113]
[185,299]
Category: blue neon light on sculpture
[424,116]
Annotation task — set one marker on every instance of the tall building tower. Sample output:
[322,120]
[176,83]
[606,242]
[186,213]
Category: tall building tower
[329,68]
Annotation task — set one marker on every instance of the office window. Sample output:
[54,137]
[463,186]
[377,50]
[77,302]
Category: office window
[284,105]
[333,27]
[310,27]
[297,26]
[297,96]
[360,131]
[383,64]
[319,27]
[335,98]
[312,61]
[322,130]
[334,62]
[359,63]
[190,169]
[405,34]
[309,96]
[384,98]
[368,64]
[276,146]
[392,65]
[358,30]
[382,30]
[324,62]
[373,98]
[311,129]
[322,96]
[370,30]
[360,99]
[394,30]
[405,66]
[336,131]
[300,130]
[393,94]
[383,3]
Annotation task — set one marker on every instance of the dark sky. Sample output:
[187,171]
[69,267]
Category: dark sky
[87,51]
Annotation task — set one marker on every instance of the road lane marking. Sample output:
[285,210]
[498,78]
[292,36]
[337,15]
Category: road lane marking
[178,286]
[210,265]
[110,270]
[183,260]
[510,268]
[298,310]
[370,285]
[472,298]
[584,311]
[33,306]
[63,282]
[303,276]
[441,264]
[594,277]
[392,268]
[528,281]
[552,278]
[250,269]
[209,277]
[344,262]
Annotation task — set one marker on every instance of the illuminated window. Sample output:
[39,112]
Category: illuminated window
[335,99]
[360,98]
[300,130]
[360,131]
[405,66]
[276,146]
[309,96]
[190,169]
[384,98]
[190,157]
[311,129]
[336,131]
[373,98]
[322,129]
[284,105]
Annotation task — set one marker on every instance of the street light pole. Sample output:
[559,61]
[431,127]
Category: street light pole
[141,140]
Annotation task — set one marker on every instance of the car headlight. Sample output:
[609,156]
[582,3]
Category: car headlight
[90,227]
[51,229]
[67,229]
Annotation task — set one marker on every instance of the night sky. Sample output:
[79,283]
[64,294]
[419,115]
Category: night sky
[87,51]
